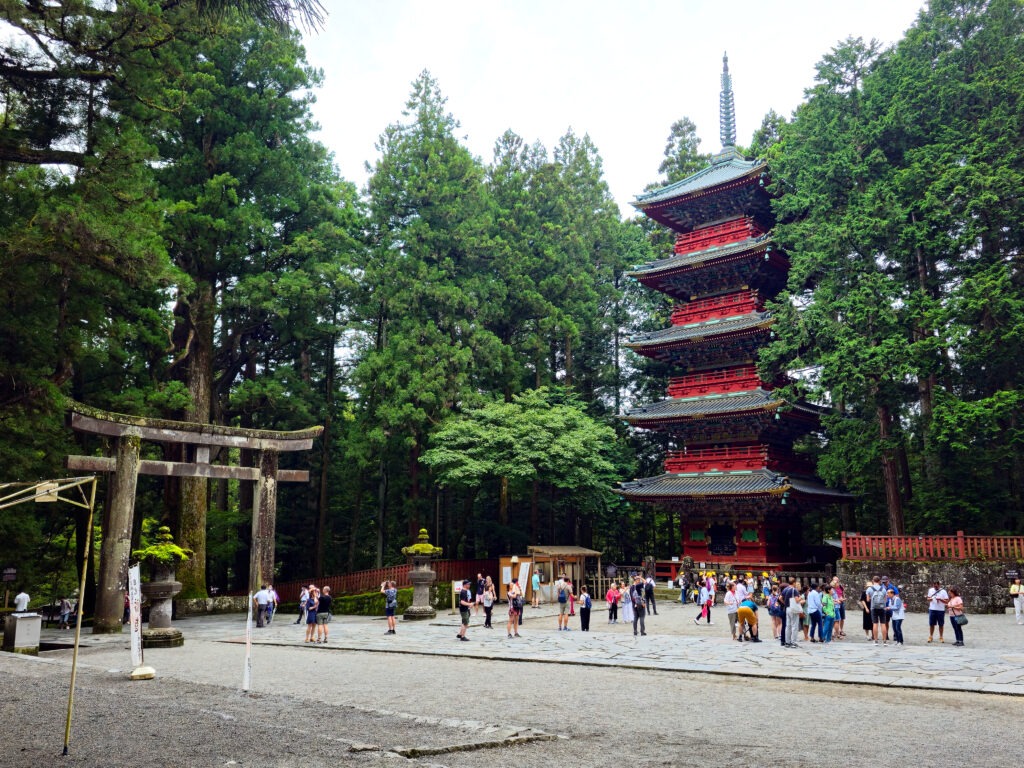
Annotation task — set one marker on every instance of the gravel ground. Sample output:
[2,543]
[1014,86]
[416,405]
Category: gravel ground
[321,706]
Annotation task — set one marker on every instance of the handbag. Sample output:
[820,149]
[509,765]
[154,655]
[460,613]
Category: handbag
[959,620]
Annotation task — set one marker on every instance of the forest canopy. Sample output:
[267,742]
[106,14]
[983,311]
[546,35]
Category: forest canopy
[174,242]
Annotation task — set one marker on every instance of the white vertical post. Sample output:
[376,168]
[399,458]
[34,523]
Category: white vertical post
[247,671]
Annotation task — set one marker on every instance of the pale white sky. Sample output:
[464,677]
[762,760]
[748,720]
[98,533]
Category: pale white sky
[621,72]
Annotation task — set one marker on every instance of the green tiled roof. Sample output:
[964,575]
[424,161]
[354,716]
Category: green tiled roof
[725,484]
[729,403]
[704,405]
[693,331]
[697,257]
[723,172]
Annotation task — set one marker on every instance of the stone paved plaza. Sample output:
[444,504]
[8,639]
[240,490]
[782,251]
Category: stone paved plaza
[548,698]
[991,662]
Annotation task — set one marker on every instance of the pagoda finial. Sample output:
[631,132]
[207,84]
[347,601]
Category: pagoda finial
[727,107]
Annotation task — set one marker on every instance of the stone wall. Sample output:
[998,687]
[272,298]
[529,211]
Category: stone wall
[982,583]
[209,605]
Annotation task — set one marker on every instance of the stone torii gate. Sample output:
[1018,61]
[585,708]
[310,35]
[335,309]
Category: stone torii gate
[197,440]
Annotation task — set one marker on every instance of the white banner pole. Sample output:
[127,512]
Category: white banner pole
[140,671]
[247,672]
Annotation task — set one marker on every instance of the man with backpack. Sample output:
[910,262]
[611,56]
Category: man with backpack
[636,595]
[563,591]
[876,595]
[649,594]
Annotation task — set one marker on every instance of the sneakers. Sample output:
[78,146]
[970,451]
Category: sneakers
[509,635]
[697,622]
[463,637]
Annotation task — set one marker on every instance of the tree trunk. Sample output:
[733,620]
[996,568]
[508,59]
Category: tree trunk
[382,506]
[194,502]
[535,511]
[353,531]
[503,503]
[323,499]
[264,523]
[890,472]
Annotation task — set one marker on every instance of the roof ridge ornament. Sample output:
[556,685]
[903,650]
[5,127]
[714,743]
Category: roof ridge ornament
[726,118]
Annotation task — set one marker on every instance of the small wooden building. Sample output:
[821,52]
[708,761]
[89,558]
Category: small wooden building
[550,562]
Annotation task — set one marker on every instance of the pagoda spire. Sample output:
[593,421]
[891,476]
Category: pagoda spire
[727,107]
[727,118]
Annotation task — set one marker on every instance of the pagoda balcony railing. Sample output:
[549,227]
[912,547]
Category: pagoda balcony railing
[732,231]
[931,548]
[741,379]
[727,305]
[735,458]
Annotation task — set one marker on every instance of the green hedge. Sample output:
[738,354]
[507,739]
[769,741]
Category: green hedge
[365,604]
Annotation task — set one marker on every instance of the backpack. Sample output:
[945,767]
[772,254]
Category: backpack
[586,602]
[638,599]
[774,606]
[878,599]
[563,595]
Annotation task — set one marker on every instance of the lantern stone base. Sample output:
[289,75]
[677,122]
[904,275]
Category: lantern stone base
[162,638]
[419,613]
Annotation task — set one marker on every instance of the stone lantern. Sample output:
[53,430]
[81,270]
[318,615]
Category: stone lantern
[160,590]
[422,577]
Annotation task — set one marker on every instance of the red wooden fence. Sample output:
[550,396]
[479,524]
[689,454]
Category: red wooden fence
[368,581]
[925,548]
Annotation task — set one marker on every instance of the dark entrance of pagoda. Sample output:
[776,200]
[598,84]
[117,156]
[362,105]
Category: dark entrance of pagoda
[733,477]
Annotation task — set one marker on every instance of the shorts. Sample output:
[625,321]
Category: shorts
[563,608]
[389,611]
[480,599]
[464,615]
[311,617]
[841,612]
[879,616]
[323,618]
[936,618]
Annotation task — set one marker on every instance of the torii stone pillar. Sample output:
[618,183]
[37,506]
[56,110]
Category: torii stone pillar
[117,535]
[264,522]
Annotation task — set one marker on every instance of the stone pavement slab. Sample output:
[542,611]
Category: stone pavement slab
[992,661]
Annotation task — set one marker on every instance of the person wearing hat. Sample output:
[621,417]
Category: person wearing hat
[937,599]
[465,604]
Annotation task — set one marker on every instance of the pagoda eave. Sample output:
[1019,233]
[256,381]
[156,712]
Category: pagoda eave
[728,488]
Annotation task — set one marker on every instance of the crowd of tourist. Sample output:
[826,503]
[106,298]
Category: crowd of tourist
[797,612]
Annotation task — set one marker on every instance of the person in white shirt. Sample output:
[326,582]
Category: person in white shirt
[741,590]
[21,602]
[732,604]
[937,599]
[262,600]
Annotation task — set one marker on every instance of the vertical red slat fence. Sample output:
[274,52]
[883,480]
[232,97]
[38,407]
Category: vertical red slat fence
[928,548]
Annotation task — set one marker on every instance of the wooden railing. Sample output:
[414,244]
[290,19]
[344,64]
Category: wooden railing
[731,231]
[738,379]
[735,458]
[927,548]
[368,581]
[726,305]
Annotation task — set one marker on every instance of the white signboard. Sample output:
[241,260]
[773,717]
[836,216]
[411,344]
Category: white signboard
[524,575]
[506,575]
[247,672]
[135,614]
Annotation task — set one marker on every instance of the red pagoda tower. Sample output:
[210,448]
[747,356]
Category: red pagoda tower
[734,479]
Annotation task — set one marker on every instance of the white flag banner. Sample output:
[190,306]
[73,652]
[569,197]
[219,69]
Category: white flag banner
[135,613]
[247,672]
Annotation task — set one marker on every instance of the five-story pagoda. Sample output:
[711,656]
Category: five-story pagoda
[734,479]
